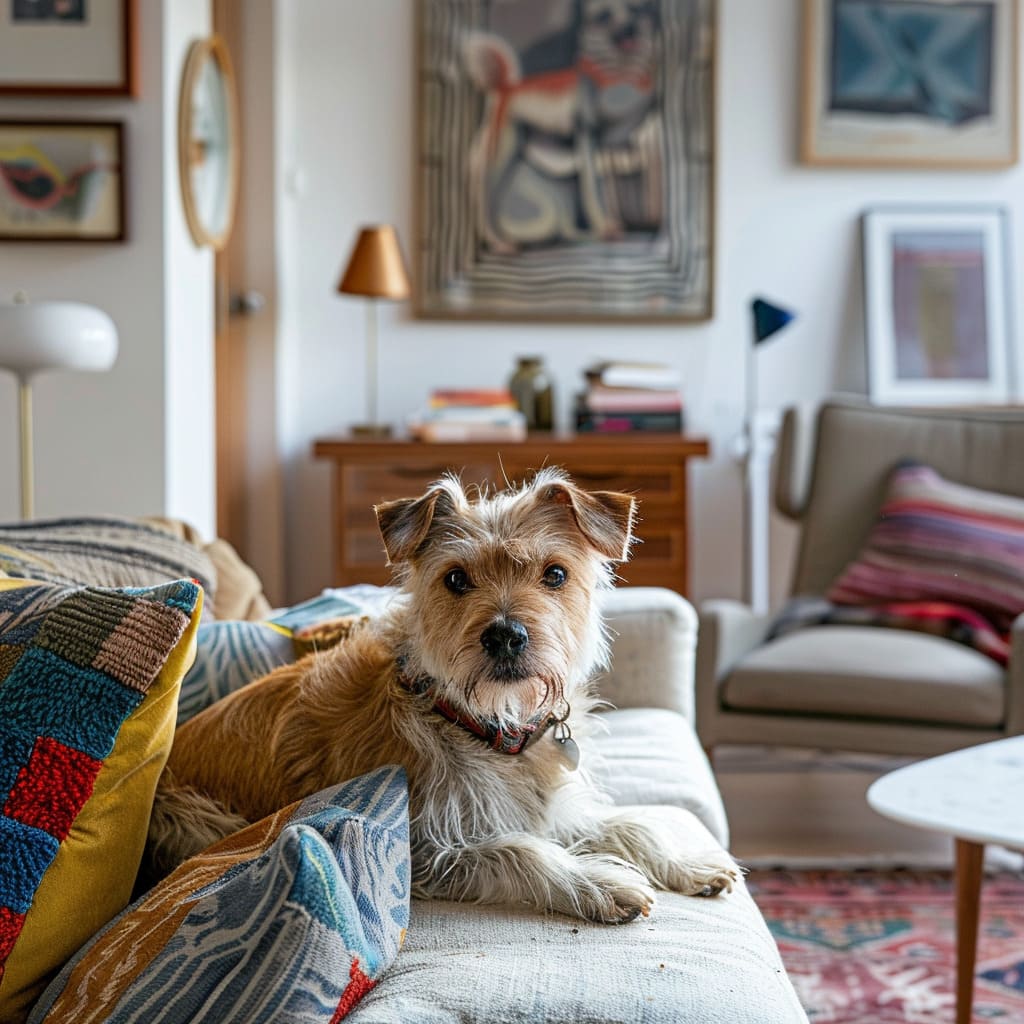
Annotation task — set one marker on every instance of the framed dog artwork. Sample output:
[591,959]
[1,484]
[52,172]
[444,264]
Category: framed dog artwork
[565,159]
[910,83]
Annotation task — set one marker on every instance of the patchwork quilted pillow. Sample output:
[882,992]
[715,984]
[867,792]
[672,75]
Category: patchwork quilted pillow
[292,919]
[232,654]
[940,541]
[89,683]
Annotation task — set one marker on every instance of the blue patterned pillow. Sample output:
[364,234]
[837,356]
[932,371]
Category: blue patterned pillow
[231,654]
[294,918]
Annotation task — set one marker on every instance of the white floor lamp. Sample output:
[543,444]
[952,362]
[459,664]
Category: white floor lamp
[40,336]
[755,448]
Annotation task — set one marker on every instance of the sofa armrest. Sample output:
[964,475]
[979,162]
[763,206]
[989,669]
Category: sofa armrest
[654,636]
[729,630]
[239,593]
[1015,679]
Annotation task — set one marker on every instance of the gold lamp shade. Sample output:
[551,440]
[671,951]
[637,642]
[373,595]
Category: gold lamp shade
[376,267]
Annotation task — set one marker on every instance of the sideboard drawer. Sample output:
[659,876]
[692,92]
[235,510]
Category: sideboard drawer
[653,469]
[367,484]
[656,485]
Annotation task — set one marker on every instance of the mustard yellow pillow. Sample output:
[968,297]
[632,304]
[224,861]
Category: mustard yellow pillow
[89,680]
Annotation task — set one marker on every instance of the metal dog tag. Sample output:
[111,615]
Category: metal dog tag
[567,746]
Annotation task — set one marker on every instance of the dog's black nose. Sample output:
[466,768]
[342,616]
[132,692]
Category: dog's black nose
[505,638]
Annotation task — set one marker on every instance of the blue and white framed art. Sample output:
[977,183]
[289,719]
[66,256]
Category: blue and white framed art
[910,83]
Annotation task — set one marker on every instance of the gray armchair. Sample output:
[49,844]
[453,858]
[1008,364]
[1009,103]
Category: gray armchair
[853,687]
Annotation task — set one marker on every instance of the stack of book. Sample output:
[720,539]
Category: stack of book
[477,414]
[622,397]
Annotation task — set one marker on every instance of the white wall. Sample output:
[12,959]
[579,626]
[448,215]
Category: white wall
[189,448]
[137,440]
[788,232]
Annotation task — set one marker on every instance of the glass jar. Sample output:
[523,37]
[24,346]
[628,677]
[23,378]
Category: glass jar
[531,388]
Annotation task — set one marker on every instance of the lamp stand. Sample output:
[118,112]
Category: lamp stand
[761,433]
[25,447]
[371,428]
[755,449]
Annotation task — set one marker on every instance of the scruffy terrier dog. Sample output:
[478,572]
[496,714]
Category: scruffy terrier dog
[477,681]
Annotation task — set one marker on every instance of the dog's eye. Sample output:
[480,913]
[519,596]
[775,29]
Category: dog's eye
[457,581]
[555,577]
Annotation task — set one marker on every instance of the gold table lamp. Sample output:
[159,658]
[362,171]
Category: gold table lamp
[376,270]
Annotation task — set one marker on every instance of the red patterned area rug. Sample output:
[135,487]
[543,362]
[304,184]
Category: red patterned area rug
[879,947]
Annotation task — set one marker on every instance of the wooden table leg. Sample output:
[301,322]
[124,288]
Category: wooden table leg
[969,857]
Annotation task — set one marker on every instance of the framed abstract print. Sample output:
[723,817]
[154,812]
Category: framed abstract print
[68,47]
[937,305]
[910,83]
[62,181]
[565,159]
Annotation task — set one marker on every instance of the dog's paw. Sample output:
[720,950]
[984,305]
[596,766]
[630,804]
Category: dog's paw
[619,892]
[704,874]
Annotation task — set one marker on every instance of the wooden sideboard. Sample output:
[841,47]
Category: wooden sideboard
[653,467]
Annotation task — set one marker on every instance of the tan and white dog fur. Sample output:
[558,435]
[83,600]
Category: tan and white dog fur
[497,620]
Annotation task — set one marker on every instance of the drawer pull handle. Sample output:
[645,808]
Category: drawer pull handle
[419,471]
[596,477]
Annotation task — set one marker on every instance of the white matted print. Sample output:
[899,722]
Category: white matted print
[925,83]
[68,47]
[937,305]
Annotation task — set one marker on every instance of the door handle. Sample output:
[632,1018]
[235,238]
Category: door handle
[246,303]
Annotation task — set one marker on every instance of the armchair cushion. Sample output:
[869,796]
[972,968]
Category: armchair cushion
[870,672]
[936,540]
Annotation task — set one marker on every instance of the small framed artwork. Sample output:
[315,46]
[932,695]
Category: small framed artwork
[565,160]
[68,47]
[910,83]
[62,181]
[937,305]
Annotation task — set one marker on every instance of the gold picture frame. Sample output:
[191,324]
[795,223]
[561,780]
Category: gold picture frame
[930,84]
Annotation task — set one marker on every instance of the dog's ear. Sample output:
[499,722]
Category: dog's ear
[405,523]
[605,518]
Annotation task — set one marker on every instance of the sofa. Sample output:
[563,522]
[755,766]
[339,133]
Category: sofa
[704,960]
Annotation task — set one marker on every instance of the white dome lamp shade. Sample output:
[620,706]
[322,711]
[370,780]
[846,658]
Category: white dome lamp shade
[40,336]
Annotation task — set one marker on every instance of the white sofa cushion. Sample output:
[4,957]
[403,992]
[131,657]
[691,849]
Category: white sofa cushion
[652,756]
[711,961]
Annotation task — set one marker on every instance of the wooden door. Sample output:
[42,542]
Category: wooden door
[249,496]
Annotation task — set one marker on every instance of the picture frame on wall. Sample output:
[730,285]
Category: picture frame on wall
[937,305]
[910,83]
[565,160]
[68,47]
[62,181]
